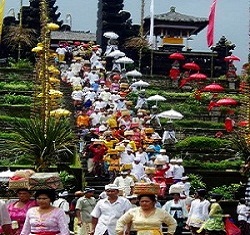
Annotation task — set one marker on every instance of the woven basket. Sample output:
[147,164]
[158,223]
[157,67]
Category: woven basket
[146,188]
[19,184]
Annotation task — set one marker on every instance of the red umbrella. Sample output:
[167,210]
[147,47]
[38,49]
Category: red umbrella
[177,56]
[231,57]
[77,43]
[214,87]
[226,102]
[198,76]
[243,123]
[191,66]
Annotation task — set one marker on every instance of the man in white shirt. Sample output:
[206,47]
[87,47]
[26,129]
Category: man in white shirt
[125,183]
[93,76]
[127,156]
[62,203]
[108,210]
[75,81]
[95,117]
[178,171]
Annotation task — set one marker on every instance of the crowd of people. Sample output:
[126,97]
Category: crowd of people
[46,212]
[123,139]
[118,134]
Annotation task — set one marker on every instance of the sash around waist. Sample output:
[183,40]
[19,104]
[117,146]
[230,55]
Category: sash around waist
[46,233]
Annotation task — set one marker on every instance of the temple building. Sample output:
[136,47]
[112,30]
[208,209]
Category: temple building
[174,28]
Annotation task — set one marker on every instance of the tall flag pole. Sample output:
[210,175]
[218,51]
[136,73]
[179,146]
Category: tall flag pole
[151,32]
[210,28]
[2,6]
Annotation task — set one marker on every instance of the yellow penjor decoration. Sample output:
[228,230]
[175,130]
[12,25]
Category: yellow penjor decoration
[49,96]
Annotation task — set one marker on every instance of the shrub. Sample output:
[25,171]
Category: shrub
[20,64]
[227,191]
[16,86]
[198,124]
[16,99]
[195,182]
[202,142]
[220,165]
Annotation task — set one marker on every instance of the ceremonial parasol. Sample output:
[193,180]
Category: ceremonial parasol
[177,56]
[191,66]
[156,98]
[197,76]
[124,60]
[231,58]
[226,102]
[214,87]
[116,54]
[140,84]
[171,114]
[111,35]
[243,123]
[134,73]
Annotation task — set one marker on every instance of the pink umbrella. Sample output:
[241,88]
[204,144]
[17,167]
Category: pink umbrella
[214,87]
[226,102]
[177,56]
[231,58]
[191,66]
[198,76]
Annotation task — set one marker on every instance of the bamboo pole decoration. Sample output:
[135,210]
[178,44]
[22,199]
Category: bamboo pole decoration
[20,29]
[44,74]
[141,30]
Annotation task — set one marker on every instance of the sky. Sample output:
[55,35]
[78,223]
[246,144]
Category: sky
[231,21]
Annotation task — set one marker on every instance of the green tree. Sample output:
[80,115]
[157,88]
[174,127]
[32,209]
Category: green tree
[43,147]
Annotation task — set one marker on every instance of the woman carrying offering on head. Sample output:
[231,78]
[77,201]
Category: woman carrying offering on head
[146,219]
[45,219]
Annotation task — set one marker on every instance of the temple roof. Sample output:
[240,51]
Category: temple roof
[173,19]
[73,36]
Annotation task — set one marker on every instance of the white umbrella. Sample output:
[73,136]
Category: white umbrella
[116,54]
[124,60]
[140,84]
[156,98]
[171,114]
[111,35]
[134,73]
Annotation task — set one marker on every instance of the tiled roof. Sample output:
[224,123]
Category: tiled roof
[72,36]
[173,16]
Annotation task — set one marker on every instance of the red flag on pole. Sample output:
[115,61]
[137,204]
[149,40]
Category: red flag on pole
[210,27]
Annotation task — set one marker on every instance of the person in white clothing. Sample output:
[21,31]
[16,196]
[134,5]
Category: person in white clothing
[199,211]
[62,203]
[108,210]
[77,97]
[125,183]
[243,212]
[178,171]
[127,156]
[75,82]
[93,76]
[177,208]
[95,117]
[137,168]
[61,51]
[142,155]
